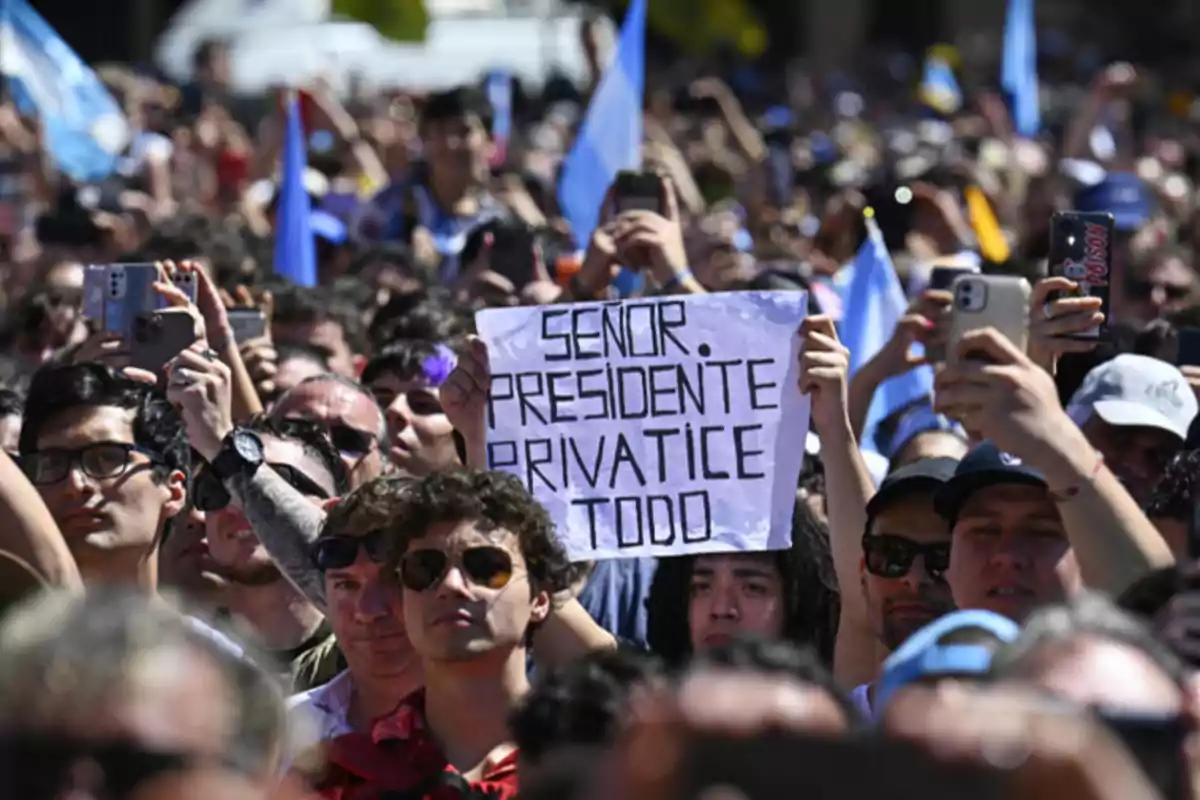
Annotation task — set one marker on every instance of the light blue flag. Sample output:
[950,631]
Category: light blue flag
[610,138]
[1018,72]
[86,131]
[499,94]
[873,302]
[295,252]
[939,88]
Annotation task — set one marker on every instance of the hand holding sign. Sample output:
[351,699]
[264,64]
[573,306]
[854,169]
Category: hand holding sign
[464,398]
[656,426]
[824,365]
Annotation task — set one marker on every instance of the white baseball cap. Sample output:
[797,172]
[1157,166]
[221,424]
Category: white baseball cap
[1136,391]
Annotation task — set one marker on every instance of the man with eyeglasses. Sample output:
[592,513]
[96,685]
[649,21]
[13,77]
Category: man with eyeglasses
[478,563]
[906,549]
[363,606]
[348,414]
[109,457]
[257,592]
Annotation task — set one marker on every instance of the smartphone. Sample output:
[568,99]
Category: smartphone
[942,278]
[983,301]
[1081,248]
[638,191]
[247,323]
[94,276]
[1156,742]
[512,254]
[1187,353]
[129,292]
[158,336]
[774,764]
[185,282]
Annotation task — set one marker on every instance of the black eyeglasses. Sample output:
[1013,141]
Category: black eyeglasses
[489,567]
[339,552]
[101,461]
[890,556]
[346,440]
[1141,290]
[209,494]
[42,766]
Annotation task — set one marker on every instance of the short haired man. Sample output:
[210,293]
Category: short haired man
[906,552]
[316,317]
[348,414]
[406,379]
[1009,550]
[1135,410]
[478,564]
[109,456]
[256,590]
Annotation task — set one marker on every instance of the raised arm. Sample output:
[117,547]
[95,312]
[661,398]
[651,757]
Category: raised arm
[28,531]
[1013,402]
[824,362]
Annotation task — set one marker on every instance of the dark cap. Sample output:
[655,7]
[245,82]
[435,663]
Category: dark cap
[986,465]
[925,475]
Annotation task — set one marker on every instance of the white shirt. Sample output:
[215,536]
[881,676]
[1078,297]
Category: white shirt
[320,714]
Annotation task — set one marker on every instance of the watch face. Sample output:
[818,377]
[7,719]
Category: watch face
[248,446]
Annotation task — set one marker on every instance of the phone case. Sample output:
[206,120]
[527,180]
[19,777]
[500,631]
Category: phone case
[186,281]
[130,293]
[158,336]
[247,323]
[1081,248]
[989,301]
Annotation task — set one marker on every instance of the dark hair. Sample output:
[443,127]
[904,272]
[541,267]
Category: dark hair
[408,508]
[58,388]
[389,254]
[1146,597]
[405,359]
[301,305]
[313,439]
[456,103]
[287,351]
[812,601]
[1173,495]
[780,658]
[206,51]
[581,703]
[416,317]
[11,403]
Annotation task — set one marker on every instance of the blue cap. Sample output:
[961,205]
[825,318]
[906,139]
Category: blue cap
[327,227]
[922,657]
[985,465]
[917,419]
[1122,194]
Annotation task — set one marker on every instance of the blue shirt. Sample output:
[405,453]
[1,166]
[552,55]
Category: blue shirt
[615,596]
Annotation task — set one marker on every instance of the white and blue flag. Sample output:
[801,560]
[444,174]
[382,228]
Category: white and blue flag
[610,138]
[86,130]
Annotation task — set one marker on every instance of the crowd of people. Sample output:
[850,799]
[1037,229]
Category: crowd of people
[279,566]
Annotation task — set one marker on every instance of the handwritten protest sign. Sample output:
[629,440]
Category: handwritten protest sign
[655,426]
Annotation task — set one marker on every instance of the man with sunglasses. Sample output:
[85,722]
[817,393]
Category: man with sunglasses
[478,564]
[109,457]
[256,591]
[906,549]
[348,414]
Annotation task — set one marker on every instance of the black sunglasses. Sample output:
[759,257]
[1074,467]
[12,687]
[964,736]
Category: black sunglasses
[100,461]
[42,766]
[1141,290]
[339,552]
[346,440]
[486,566]
[209,494]
[890,556]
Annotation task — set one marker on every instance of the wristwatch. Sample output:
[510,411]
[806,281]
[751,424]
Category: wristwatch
[241,454]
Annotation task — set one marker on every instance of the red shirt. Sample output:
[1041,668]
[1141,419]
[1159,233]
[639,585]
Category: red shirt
[399,755]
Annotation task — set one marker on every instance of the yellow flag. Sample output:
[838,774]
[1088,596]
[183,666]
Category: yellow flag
[992,244]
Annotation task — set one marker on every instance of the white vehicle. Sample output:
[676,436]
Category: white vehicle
[293,42]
